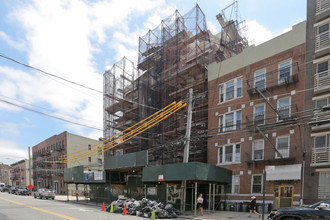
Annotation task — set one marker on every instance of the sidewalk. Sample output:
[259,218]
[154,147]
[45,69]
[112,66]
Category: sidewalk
[217,215]
[221,215]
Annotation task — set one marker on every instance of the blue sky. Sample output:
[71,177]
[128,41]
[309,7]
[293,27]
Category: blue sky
[79,40]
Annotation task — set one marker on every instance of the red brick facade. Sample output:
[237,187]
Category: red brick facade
[292,89]
[45,173]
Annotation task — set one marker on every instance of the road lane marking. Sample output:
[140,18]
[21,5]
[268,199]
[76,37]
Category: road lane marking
[41,210]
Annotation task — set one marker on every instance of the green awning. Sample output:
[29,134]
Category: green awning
[194,171]
[77,175]
[131,160]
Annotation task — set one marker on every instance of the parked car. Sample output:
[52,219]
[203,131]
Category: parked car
[5,189]
[44,193]
[21,191]
[12,189]
[319,210]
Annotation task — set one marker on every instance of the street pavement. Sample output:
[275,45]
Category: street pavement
[13,207]
[217,215]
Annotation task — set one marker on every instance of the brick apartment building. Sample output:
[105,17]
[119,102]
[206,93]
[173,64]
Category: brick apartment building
[317,100]
[5,174]
[48,171]
[20,174]
[256,104]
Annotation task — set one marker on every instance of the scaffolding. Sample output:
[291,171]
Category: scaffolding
[121,98]
[233,33]
[172,58]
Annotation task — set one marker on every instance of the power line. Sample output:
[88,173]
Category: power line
[26,103]
[49,115]
[49,74]
[72,82]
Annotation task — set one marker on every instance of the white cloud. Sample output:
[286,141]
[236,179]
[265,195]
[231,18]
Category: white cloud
[213,27]
[12,43]
[258,33]
[10,128]
[10,152]
[63,37]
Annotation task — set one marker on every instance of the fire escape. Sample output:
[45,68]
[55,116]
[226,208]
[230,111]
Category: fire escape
[261,86]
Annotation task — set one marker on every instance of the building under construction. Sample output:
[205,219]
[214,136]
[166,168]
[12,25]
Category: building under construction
[173,57]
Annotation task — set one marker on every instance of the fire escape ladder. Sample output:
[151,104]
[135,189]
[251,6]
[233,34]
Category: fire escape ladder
[271,144]
[268,102]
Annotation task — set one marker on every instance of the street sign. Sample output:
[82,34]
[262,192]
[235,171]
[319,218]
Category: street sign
[98,175]
[89,177]
[30,186]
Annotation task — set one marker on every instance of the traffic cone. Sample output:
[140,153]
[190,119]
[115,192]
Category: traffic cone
[125,211]
[103,207]
[153,215]
[111,208]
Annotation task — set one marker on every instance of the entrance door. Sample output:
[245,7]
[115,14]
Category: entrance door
[56,187]
[283,196]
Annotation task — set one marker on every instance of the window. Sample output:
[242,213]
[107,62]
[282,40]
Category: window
[324,183]
[236,184]
[323,28]
[89,147]
[220,124]
[258,150]
[322,39]
[89,159]
[284,70]
[100,150]
[220,155]
[239,87]
[256,183]
[260,79]
[259,114]
[99,162]
[322,69]
[283,109]
[283,146]
[238,153]
[230,121]
[221,94]
[321,102]
[230,90]
[238,120]
[320,141]
[229,154]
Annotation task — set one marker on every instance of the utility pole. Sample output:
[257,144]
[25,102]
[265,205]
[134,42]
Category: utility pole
[30,177]
[20,176]
[186,149]
[263,194]
[188,129]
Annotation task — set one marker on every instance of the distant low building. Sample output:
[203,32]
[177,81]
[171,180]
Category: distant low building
[20,174]
[48,171]
[5,174]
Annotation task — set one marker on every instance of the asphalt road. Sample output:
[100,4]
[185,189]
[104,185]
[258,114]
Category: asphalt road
[14,207]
